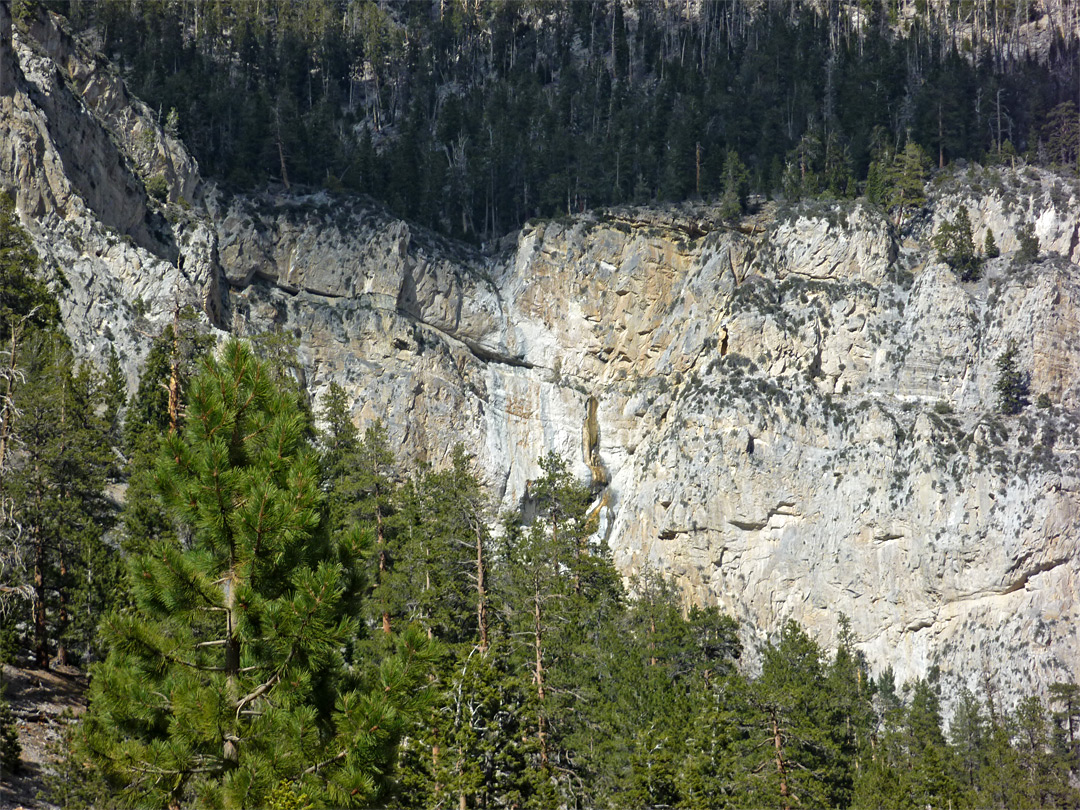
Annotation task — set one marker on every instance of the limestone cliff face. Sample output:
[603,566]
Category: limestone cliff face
[794,418]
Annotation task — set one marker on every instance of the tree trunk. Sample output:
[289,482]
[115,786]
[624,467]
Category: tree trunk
[380,542]
[174,372]
[41,629]
[7,409]
[281,150]
[652,641]
[64,618]
[61,583]
[940,139]
[538,642]
[481,589]
[697,169]
[230,751]
[778,744]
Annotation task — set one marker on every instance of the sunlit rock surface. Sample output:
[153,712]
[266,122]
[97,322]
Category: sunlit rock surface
[794,417]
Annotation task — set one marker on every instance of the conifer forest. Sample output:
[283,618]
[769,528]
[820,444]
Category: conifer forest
[276,609]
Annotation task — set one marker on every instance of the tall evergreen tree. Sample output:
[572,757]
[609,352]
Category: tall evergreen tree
[1066,696]
[169,366]
[1011,384]
[955,245]
[56,486]
[552,581]
[366,497]
[793,746]
[1027,249]
[736,186]
[25,303]
[338,439]
[233,670]
[114,397]
[968,736]
[443,557]
[906,182]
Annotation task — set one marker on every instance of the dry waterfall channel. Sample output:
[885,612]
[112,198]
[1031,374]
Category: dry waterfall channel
[795,418]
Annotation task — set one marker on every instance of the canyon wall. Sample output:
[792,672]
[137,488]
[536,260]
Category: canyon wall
[794,416]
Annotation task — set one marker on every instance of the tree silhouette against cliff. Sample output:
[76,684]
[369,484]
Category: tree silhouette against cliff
[232,671]
[1012,383]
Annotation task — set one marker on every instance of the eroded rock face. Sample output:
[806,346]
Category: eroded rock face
[794,418]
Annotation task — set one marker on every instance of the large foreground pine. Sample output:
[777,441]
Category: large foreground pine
[230,679]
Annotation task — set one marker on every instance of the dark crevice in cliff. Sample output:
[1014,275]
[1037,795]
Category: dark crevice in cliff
[492,356]
[1041,568]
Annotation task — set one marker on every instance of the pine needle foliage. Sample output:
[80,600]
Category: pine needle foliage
[232,673]
[955,246]
[23,296]
[1012,383]
[1027,249]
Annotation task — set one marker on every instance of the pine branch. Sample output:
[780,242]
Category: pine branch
[320,765]
[259,691]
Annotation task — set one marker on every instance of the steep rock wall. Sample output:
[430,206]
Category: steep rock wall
[794,418]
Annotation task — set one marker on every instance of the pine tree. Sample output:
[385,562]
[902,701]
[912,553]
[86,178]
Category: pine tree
[1043,776]
[1000,778]
[968,736]
[442,552]
[1011,384]
[25,304]
[114,395]
[876,188]
[1062,133]
[850,687]
[479,749]
[990,248]
[365,497]
[339,438]
[23,296]
[1067,697]
[671,682]
[10,748]
[56,486]
[881,782]
[550,575]
[929,778]
[955,245]
[906,182]
[1028,245]
[166,372]
[736,186]
[170,363]
[29,314]
[792,749]
[232,670]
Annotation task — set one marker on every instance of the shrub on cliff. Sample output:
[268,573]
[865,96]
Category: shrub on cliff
[1012,384]
[955,245]
[1028,250]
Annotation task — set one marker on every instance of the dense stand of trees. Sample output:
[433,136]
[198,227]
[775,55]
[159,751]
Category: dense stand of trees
[471,117]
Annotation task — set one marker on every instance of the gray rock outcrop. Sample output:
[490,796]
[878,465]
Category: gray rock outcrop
[794,418]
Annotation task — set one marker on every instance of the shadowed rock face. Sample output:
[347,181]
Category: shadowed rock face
[795,418]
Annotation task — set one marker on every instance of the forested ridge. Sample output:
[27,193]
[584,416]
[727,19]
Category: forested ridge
[471,117]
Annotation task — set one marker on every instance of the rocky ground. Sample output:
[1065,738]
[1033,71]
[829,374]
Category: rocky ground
[44,704]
